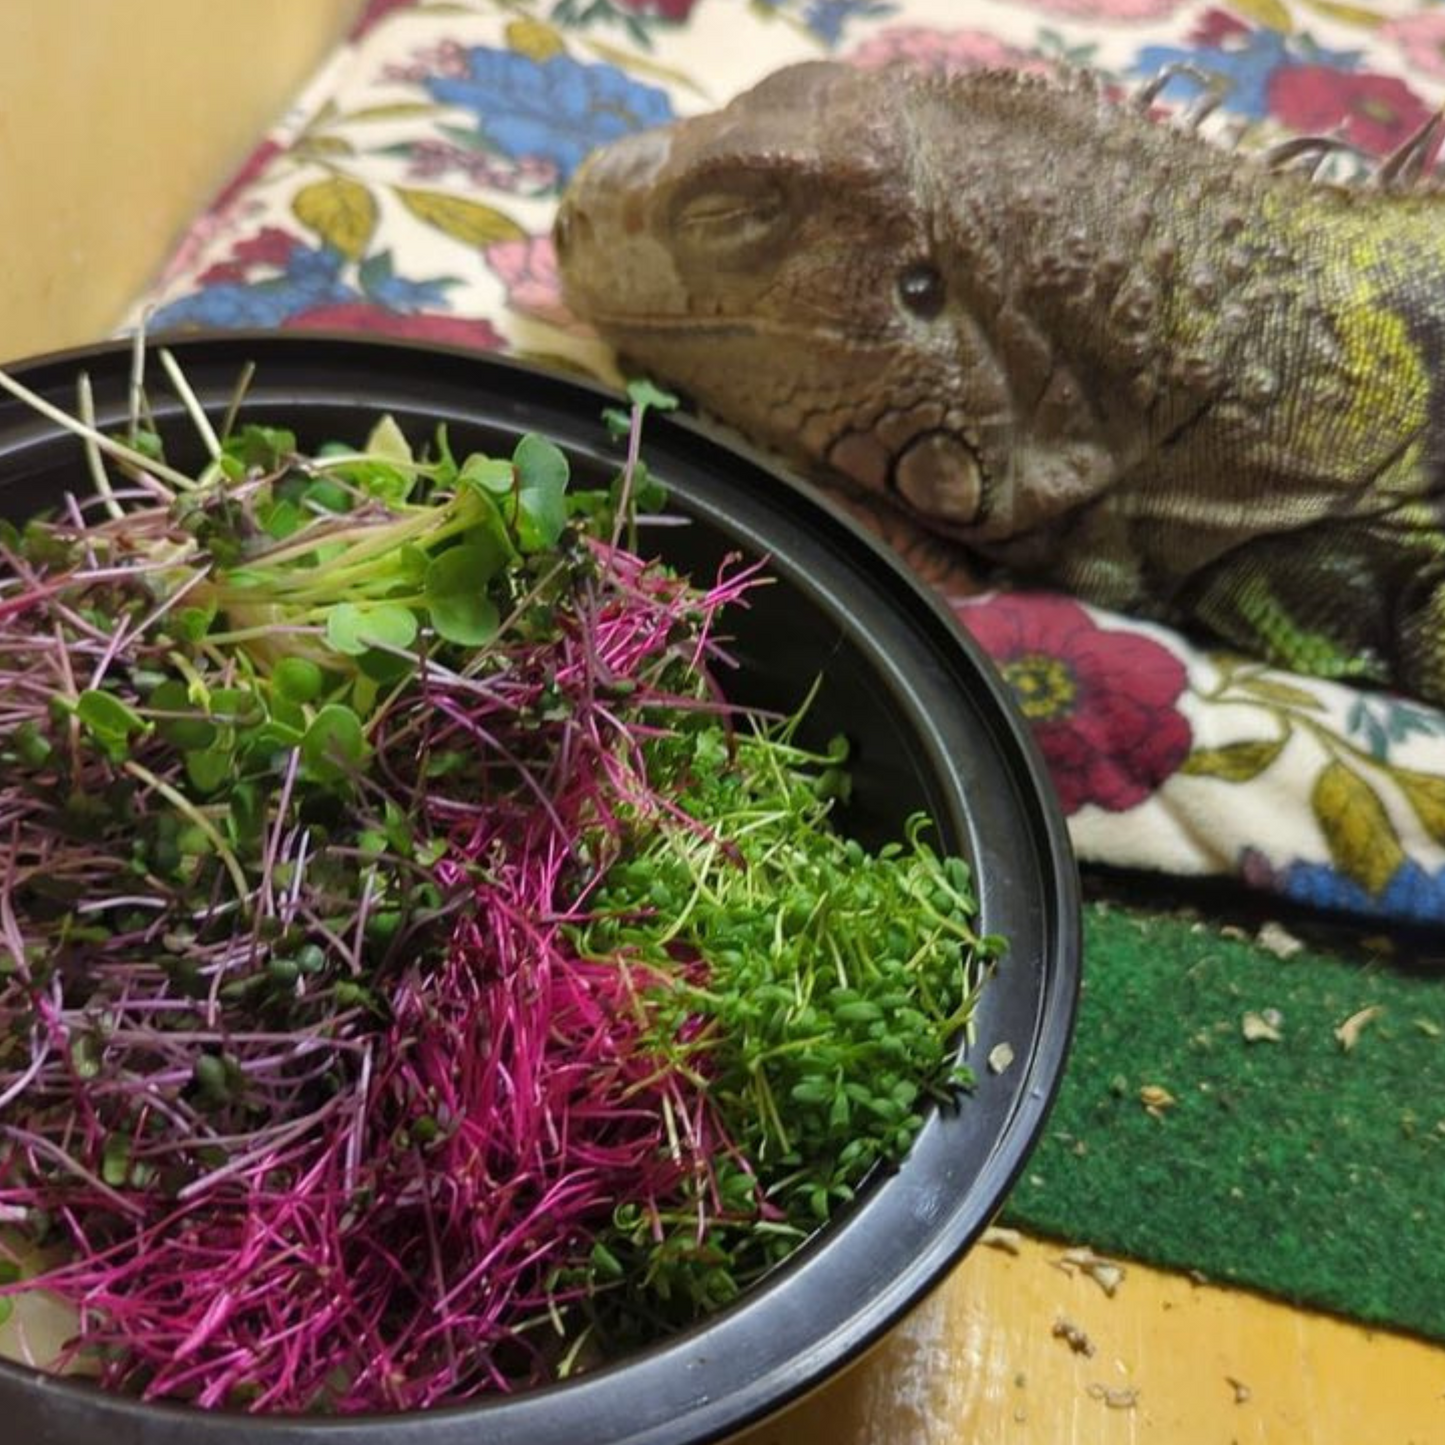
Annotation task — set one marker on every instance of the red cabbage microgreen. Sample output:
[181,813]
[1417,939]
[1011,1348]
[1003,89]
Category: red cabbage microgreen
[415,979]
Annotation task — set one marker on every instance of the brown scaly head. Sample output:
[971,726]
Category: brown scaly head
[840,264]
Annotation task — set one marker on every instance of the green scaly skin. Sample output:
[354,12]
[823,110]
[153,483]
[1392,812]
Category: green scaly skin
[1093,348]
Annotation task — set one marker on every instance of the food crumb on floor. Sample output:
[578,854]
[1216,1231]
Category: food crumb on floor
[1275,938]
[1108,1274]
[1122,1398]
[1348,1033]
[1010,1241]
[1073,1336]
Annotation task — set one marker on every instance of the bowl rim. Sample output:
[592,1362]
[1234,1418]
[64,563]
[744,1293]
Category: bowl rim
[711,1379]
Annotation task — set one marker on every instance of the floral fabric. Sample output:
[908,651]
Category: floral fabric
[411,189]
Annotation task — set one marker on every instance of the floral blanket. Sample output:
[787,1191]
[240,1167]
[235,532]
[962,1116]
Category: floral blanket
[411,189]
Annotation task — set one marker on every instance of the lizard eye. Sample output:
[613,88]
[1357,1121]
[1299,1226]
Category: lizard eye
[921,290]
[729,221]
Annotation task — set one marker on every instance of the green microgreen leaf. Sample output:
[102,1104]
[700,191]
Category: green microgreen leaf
[649,396]
[115,1160]
[85,1055]
[411,564]
[147,444]
[192,623]
[645,396]
[444,468]
[237,706]
[282,518]
[188,728]
[647,495]
[352,630]
[9,1274]
[492,475]
[542,473]
[387,441]
[262,448]
[209,770]
[384,667]
[31,746]
[325,494]
[271,737]
[297,679]
[334,745]
[456,594]
[109,720]
[387,472]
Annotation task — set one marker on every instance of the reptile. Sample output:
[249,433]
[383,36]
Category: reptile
[1097,351]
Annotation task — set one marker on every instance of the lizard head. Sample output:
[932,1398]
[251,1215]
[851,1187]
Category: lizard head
[820,265]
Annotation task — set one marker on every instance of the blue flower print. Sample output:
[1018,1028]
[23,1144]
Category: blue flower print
[309,280]
[312,277]
[1243,59]
[1413,894]
[827,19]
[382,285]
[556,109]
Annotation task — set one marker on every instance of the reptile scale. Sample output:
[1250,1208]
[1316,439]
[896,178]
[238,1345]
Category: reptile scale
[1094,348]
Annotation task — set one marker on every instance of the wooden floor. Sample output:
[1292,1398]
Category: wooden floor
[1022,1348]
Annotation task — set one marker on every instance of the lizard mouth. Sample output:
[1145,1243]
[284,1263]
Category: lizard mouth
[690,326]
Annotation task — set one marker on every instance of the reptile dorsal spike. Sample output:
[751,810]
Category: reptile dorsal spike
[1415,157]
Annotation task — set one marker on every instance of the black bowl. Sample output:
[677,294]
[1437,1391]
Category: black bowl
[933,728]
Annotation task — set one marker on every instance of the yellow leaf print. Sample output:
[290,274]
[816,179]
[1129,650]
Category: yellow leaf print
[1425,793]
[461,219]
[1362,840]
[1272,14]
[534,39]
[1349,14]
[1234,762]
[341,211]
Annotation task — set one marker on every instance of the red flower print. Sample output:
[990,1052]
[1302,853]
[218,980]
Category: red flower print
[1374,112]
[476,334]
[945,51]
[664,9]
[528,269]
[270,248]
[376,11]
[1100,701]
[1218,30]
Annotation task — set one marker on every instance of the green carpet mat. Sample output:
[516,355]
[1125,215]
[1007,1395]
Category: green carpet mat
[1294,1165]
